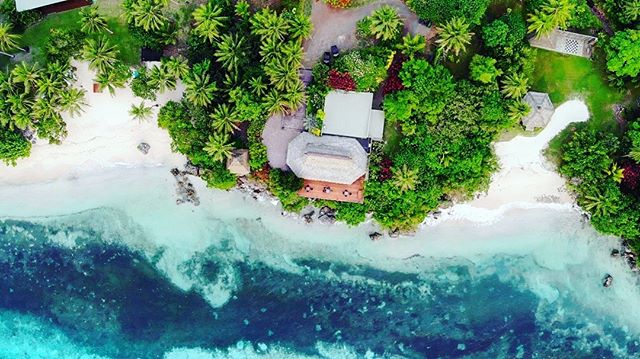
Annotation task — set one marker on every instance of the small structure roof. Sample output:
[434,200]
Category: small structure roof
[23,5]
[376,125]
[348,114]
[327,158]
[541,110]
[566,42]
[238,163]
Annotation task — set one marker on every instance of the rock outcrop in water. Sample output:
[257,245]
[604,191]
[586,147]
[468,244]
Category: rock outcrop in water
[608,281]
[184,188]
[144,148]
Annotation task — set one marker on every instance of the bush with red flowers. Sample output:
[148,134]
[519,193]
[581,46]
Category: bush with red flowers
[385,169]
[631,178]
[341,81]
[393,82]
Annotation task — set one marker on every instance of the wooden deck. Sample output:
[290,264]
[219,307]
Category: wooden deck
[353,193]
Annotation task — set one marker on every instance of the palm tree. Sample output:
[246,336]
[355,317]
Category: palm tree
[231,51]
[111,80]
[44,108]
[92,22]
[634,154]
[385,23]
[515,85]
[141,112]
[50,85]
[208,21]
[161,79]
[72,101]
[300,26]
[258,86]
[291,52]
[269,25]
[100,54]
[199,88]
[275,102]
[8,41]
[26,74]
[616,173]
[22,120]
[405,179]
[631,11]
[148,15]
[242,9]
[412,44]
[224,119]
[282,74]
[552,14]
[518,110]
[454,36]
[598,204]
[218,146]
[176,66]
[294,98]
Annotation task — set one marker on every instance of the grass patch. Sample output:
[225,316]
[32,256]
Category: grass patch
[36,36]
[568,77]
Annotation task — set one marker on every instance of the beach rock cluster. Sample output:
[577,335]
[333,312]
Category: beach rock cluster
[327,215]
[255,190]
[374,236]
[144,148]
[627,254]
[184,188]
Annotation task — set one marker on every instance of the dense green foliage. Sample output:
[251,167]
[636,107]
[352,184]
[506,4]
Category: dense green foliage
[367,66]
[13,146]
[440,11]
[284,185]
[591,160]
[623,53]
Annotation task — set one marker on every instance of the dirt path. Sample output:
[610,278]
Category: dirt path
[338,27]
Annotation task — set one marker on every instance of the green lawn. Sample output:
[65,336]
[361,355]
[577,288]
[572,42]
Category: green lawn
[36,36]
[568,77]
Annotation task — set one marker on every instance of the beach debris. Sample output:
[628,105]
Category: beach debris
[308,217]
[144,147]
[184,188]
[375,236]
[608,281]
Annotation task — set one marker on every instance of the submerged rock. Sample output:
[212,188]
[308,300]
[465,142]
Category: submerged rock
[608,281]
[144,147]
[375,236]
[191,169]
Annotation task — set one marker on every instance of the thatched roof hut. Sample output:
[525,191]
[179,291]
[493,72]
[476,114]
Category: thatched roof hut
[327,158]
[238,163]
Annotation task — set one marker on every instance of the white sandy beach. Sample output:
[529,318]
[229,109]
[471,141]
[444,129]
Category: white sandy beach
[104,136]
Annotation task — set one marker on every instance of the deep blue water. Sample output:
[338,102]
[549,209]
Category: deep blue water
[111,301]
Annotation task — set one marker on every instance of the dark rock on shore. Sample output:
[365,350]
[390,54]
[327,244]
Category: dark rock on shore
[308,217]
[394,233]
[375,236]
[608,281]
[184,188]
[327,215]
[144,148]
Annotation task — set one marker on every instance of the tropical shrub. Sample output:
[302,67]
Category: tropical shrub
[13,146]
[366,66]
[339,4]
[483,69]
[341,81]
[285,186]
[63,44]
[440,11]
[20,21]
[623,53]
[142,87]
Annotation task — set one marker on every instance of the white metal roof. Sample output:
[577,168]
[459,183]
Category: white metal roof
[347,114]
[376,125]
[23,5]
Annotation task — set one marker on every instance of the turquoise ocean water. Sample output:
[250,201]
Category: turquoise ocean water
[110,267]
